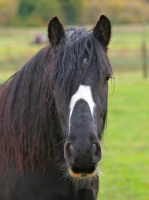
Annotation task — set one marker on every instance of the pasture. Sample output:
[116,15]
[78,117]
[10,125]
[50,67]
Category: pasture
[125,146]
[125,164]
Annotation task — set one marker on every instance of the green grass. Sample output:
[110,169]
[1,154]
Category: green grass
[124,49]
[16,46]
[125,163]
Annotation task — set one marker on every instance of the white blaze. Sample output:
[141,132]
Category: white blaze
[83,92]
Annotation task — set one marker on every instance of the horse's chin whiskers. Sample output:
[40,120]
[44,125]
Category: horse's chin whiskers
[77,180]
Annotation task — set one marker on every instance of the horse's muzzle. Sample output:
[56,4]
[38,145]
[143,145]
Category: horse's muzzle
[82,162]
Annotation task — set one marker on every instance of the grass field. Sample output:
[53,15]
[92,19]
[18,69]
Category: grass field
[125,164]
[124,50]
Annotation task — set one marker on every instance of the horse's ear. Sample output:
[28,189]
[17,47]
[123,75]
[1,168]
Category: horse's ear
[102,30]
[55,31]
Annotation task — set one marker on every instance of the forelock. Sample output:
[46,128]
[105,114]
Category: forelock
[73,34]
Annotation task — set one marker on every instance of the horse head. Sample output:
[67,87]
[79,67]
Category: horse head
[80,75]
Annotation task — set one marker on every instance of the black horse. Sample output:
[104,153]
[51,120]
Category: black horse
[52,115]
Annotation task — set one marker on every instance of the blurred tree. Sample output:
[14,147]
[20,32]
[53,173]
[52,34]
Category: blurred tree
[48,9]
[69,10]
[8,9]
[118,11]
[38,11]
[43,8]
[26,7]
[73,10]
[111,8]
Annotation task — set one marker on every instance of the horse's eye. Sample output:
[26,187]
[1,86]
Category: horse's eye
[108,77]
[85,61]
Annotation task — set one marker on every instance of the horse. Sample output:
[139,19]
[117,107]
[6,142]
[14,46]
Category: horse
[53,114]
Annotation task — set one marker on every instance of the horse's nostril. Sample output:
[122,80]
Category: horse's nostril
[69,153]
[71,149]
[96,149]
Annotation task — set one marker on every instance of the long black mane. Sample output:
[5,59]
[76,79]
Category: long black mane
[29,128]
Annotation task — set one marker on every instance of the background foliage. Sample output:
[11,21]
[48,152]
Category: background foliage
[38,12]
